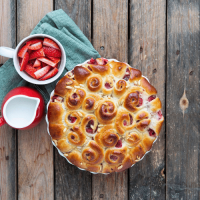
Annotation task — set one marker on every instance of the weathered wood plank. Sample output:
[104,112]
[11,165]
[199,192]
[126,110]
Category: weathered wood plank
[35,151]
[7,25]
[183,76]
[79,11]
[70,182]
[8,178]
[110,39]
[147,51]
[8,174]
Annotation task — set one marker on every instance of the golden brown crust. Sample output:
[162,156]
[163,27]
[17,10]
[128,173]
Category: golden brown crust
[55,113]
[103,70]
[64,145]
[107,137]
[94,83]
[137,153]
[93,154]
[76,136]
[57,131]
[106,111]
[81,74]
[135,74]
[118,68]
[120,87]
[147,86]
[61,89]
[148,141]
[104,116]
[124,121]
[75,99]
[156,104]
[133,138]
[115,156]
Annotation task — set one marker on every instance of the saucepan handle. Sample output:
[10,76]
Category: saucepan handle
[2,121]
[7,52]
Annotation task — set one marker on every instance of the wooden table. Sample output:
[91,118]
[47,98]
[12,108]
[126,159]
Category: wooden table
[159,37]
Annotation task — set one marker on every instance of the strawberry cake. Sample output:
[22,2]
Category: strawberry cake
[104,116]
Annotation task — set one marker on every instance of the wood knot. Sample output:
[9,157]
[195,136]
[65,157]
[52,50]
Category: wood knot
[102,47]
[177,52]
[184,103]
[191,73]
[154,71]
[101,196]
[141,49]
[163,172]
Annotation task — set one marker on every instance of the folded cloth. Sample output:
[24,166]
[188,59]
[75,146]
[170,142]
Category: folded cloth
[76,45]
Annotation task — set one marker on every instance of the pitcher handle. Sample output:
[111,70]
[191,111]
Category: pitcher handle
[7,52]
[2,121]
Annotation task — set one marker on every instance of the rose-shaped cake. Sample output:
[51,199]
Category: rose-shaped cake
[104,116]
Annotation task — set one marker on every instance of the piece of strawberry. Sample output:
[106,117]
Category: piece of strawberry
[35,46]
[50,43]
[47,61]
[55,60]
[43,64]
[23,50]
[93,61]
[37,68]
[30,70]
[24,61]
[20,61]
[37,63]
[50,74]
[41,72]
[31,62]
[49,51]
[36,54]
[33,41]
[29,51]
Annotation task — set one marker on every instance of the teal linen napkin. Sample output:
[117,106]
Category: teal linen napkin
[77,48]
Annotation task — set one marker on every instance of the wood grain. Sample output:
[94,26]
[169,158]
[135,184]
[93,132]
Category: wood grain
[110,39]
[7,25]
[35,151]
[8,162]
[70,182]
[183,76]
[147,52]
[79,11]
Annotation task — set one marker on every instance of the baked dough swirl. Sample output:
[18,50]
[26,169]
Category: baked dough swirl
[104,116]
